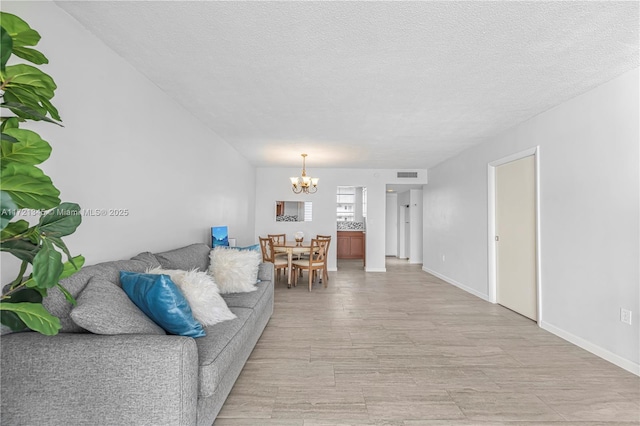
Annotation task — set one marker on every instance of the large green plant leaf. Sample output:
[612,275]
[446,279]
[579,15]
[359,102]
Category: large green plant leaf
[58,242]
[61,221]
[21,33]
[14,228]
[52,110]
[9,123]
[29,78]
[25,295]
[28,75]
[35,316]
[8,209]
[27,85]
[6,138]
[24,104]
[11,319]
[31,55]
[29,187]
[6,46]
[72,266]
[68,296]
[30,148]
[47,265]
[28,37]
[25,112]
[22,249]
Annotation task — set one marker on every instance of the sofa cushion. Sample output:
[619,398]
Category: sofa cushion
[248,300]
[104,308]
[218,348]
[194,256]
[234,271]
[58,305]
[162,301]
[265,271]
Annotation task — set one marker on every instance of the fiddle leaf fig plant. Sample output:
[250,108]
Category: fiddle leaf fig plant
[25,190]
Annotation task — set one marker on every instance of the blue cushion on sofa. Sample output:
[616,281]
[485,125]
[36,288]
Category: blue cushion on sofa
[162,301]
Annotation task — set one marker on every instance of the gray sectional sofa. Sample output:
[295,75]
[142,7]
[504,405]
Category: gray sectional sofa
[80,378]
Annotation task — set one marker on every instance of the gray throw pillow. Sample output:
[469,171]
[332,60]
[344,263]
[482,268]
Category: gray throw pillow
[148,258]
[186,258]
[104,308]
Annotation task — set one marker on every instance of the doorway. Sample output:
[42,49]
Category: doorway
[404,225]
[515,241]
[351,216]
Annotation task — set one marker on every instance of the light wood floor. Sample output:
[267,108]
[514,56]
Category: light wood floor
[405,348]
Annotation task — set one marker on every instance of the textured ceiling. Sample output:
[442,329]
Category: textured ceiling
[366,84]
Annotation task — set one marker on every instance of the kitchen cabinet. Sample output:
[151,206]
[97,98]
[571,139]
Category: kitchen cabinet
[351,244]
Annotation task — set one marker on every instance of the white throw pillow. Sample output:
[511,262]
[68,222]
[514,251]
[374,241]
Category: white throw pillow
[202,293]
[235,271]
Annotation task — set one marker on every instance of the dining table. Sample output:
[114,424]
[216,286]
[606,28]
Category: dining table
[291,248]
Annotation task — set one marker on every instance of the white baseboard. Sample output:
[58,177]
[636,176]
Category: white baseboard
[457,284]
[375,269]
[630,366]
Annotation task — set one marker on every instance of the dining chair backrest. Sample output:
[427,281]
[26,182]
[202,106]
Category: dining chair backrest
[328,239]
[266,246]
[319,248]
[278,239]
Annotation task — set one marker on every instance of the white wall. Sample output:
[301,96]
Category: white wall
[391,226]
[274,184]
[416,237]
[126,145]
[404,225]
[589,214]
[357,214]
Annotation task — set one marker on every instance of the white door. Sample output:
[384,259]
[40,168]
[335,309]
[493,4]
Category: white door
[516,236]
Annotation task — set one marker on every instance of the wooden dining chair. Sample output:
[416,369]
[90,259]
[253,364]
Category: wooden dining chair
[325,275]
[269,255]
[279,239]
[316,261]
[320,237]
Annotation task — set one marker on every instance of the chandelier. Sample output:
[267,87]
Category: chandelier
[305,184]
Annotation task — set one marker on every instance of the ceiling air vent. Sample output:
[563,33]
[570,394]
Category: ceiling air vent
[407,174]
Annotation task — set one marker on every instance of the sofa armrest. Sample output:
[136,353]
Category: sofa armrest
[265,272]
[88,379]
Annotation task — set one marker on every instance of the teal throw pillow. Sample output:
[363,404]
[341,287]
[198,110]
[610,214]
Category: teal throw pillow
[162,301]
